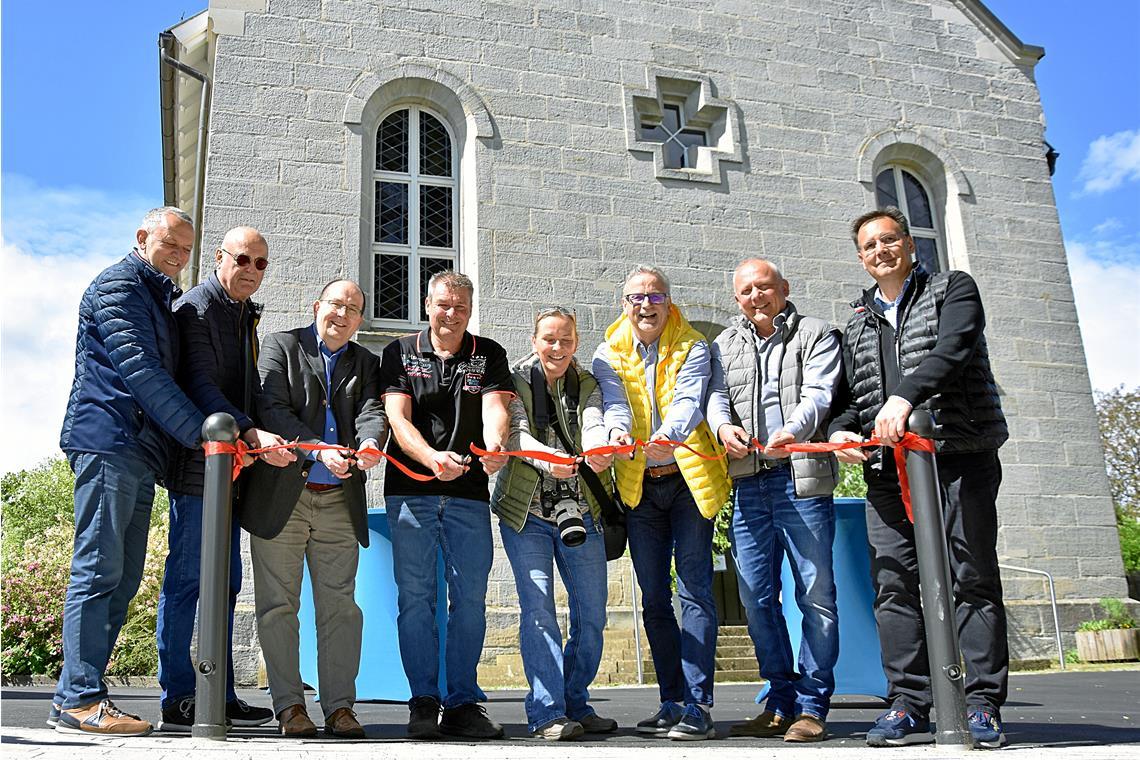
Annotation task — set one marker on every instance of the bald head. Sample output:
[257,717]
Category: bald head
[761,292]
[242,260]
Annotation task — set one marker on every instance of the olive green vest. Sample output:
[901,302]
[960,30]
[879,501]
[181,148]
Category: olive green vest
[518,481]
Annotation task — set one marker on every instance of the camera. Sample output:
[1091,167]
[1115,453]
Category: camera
[562,503]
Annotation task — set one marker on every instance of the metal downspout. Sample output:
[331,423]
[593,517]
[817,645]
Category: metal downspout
[166,43]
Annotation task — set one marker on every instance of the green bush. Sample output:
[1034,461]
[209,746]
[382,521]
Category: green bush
[851,483]
[1116,616]
[38,531]
[1129,529]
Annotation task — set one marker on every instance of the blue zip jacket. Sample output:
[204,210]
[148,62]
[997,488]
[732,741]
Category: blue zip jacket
[124,399]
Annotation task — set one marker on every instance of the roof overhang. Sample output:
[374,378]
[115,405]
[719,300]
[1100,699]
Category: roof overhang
[999,34]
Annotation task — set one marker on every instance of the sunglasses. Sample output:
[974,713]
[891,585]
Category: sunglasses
[244,259]
[636,299]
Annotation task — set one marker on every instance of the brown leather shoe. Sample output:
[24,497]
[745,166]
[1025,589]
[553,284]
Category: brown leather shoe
[763,725]
[806,729]
[344,725]
[295,723]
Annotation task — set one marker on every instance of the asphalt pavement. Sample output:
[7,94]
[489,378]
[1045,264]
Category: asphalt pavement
[1070,715]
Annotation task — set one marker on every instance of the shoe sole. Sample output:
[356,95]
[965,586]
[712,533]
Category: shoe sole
[250,723]
[173,728]
[653,731]
[918,738]
[756,735]
[345,734]
[66,729]
[680,737]
[994,744]
[466,735]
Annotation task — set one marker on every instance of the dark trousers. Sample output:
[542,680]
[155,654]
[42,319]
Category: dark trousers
[969,485]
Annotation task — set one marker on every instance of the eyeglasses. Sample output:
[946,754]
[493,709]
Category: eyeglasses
[889,240]
[244,259]
[349,309]
[636,299]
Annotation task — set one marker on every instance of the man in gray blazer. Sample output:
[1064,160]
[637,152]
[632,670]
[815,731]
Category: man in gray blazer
[317,387]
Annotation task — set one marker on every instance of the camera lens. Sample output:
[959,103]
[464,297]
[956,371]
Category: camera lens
[568,517]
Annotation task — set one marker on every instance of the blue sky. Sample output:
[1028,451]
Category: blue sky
[81,161]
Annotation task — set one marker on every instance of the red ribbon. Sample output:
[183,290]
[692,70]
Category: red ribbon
[624,449]
[909,442]
[240,449]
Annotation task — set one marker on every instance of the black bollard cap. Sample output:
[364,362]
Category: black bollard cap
[220,427]
[921,422]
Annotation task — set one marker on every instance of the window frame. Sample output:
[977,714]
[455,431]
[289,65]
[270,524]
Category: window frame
[412,250]
[934,233]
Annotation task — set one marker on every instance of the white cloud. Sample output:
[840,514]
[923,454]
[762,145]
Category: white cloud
[1112,224]
[54,241]
[1111,161]
[1104,288]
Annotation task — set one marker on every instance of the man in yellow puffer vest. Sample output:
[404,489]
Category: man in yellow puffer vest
[653,369]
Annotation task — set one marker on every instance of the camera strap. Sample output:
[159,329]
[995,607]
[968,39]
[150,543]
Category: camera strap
[545,415]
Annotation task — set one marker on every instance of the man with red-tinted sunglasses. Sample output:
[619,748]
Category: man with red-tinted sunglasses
[217,329]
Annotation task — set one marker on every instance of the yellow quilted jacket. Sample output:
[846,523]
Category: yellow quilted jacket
[706,478]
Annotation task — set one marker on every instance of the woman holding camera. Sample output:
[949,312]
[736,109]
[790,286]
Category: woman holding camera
[548,515]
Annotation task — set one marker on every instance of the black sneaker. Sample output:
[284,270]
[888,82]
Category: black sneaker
[178,718]
[424,720]
[663,720]
[239,713]
[469,721]
[53,715]
[694,725]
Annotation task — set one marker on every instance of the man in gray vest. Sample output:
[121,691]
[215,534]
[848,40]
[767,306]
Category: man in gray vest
[774,374]
[917,341]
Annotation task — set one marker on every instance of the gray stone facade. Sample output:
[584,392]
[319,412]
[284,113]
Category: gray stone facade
[558,196]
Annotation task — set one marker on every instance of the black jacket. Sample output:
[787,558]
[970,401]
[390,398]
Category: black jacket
[217,368]
[292,404]
[942,363]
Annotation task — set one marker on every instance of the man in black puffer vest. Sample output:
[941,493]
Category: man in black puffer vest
[916,341]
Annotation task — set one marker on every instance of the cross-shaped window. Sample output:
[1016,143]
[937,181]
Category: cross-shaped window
[683,125]
[680,142]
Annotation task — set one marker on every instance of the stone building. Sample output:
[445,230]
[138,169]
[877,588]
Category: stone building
[543,147]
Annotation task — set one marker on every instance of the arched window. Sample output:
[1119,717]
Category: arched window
[895,186]
[415,213]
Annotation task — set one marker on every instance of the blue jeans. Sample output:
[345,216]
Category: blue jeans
[559,678]
[667,524]
[768,520]
[113,498]
[178,600]
[421,526]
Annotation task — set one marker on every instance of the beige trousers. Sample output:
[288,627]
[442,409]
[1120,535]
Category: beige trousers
[319,531]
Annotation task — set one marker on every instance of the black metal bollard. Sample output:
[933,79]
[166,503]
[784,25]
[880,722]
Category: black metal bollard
[947,677]
[213,598]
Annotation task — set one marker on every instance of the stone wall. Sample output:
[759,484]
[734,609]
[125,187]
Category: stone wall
[559,207]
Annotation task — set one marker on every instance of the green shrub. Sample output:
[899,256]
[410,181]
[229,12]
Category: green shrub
[1129,529]
[38,531]
[33,501]
[851,483]
[1116,616]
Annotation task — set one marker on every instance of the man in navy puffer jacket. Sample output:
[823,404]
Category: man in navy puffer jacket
[124,409]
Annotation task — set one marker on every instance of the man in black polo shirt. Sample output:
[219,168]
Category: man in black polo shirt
[444,389]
